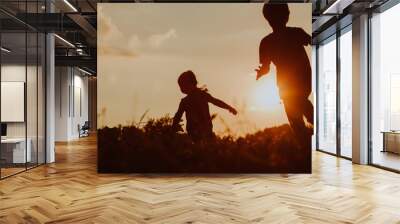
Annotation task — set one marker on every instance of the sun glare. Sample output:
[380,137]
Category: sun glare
[265,94]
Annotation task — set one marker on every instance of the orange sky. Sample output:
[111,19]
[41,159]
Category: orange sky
[142,49]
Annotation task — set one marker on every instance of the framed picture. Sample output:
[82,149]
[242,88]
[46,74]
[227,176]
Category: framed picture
[204,88]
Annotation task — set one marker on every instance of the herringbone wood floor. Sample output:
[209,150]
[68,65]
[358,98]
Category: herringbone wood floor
[70,191]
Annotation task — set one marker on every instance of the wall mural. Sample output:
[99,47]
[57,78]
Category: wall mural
[204,88]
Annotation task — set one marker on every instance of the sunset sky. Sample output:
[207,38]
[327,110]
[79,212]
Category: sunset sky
[143,48]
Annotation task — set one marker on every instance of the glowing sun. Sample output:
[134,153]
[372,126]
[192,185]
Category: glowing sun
[265,94]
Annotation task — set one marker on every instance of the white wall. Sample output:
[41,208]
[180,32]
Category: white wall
[62,81]
[16,73]
[71,86]
[33,127]
[80,110]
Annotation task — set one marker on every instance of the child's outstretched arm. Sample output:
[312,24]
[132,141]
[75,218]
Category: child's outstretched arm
[262,70]
[222,104]
[178,117]
[265,60]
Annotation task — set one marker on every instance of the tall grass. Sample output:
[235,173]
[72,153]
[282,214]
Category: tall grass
[155,147]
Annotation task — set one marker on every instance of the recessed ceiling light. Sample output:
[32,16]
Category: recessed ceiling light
[70,5]
[5,50]
[64,40]
[337,7]
[84,71]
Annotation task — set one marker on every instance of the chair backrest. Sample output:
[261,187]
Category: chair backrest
[86,124]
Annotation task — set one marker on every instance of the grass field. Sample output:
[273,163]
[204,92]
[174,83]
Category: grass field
[156,148]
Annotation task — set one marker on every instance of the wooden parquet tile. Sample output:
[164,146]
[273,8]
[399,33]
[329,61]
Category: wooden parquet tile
[71,191]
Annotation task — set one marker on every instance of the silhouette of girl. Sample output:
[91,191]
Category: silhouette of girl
[195,106]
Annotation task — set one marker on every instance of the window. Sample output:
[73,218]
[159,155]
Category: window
[22,78]
[327,96]
[385,89]
[346,93]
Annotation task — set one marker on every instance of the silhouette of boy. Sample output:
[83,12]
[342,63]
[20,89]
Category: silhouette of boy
[195,106]
[285,48]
